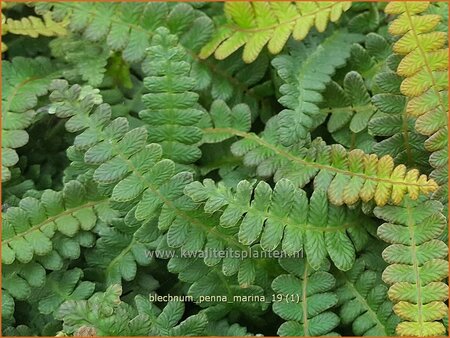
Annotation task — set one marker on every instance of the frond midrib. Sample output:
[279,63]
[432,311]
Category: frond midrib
[291,157]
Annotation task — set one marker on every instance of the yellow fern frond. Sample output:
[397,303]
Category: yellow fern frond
[255,24]
[425,63]
[425,70]
[34,26]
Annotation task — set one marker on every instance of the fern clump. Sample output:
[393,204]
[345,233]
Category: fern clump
[224,169]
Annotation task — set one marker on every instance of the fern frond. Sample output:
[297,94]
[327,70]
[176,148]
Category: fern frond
[29,228]
[235,82]
[417,265]
[33,26]
[347,176]
[171,114]
[137,176]
[285,216]
[370,58]
[23,81]
[257,24]
[305,72]
[363,301]
[104,314]
[306,297]
[129,27]
[425,71]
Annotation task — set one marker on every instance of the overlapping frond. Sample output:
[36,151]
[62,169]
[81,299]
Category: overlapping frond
[121,247]
[129,27]
[82,59]
[23,82]
[424,68]
[286,217]
[257,24]
[63,286]
[171,115]
[241,294]
[32,26]
[139,177]
[305,72]
[28,229]
[105,314]
[347,176]
[417,265]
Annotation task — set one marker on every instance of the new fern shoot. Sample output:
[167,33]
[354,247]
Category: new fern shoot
[224,169]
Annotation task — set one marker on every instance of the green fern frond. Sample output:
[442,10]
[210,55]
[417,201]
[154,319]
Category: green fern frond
[285,216]
[425,71]
[306,296]
[23,82]
[171,115]
[347,176]
[29,228]
[104,314]
[305,72]
[257,24]
[129,27]
[206,281]
[363,301]
[417,265]
[136,175]
[370,58]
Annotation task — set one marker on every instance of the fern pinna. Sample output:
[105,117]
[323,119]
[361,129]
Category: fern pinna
[220,169]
